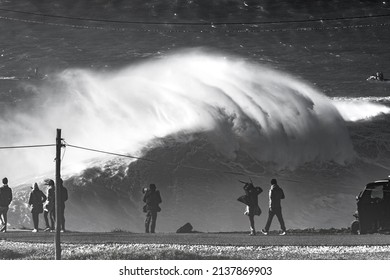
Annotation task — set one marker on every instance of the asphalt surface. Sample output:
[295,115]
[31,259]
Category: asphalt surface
[232,239]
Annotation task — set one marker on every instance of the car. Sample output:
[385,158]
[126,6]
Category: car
[373,208]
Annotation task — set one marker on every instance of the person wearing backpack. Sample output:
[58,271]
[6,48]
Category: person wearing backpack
[37,198]
[5,201]
[152,199]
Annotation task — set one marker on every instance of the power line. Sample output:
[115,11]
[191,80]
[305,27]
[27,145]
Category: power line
[166,163]
[61,24]
[27,146]
[252,26]
[64,144]
[181,165]
[196,23]
[250,29]
[108,153]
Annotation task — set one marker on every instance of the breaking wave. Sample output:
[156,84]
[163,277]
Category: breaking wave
[239,105]
[361,108]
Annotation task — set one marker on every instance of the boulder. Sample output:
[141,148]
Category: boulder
[186,228]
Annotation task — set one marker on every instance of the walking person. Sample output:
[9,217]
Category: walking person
[252,202]
[49,207]
[152,198]
[64,198]
[5,201]
[37,198]
[276,194]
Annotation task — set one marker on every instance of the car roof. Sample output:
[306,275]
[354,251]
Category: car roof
[378,182]
[382,181]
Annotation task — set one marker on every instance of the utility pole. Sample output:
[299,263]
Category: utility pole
[58,204]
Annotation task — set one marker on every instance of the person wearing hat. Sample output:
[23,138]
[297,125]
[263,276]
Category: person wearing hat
[49,207]
[152,198]
[5,200]
[37,198]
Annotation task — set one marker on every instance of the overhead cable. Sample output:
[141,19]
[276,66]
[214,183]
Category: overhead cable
[27,146]
[176,164]
[196,23]
[251,28]
[109,153]
[154,161]
[64,144]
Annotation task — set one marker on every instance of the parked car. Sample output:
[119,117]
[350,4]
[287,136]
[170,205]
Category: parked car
[373,208]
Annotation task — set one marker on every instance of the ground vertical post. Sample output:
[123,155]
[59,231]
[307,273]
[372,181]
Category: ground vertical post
[57,239]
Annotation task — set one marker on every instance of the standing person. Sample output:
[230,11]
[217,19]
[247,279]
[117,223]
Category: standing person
[49,207]
[64,197]
[252,193]
[37,198]
[152,198]
[276,194]
[5,200]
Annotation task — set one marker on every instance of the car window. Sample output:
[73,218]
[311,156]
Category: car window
[386,191]
[377,192]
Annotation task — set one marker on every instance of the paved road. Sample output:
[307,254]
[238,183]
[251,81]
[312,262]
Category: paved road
[236,239]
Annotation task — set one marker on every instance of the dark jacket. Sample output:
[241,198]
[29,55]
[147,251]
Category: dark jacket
[275,195]
[252,194]
[37,198]
[5,196]
[64,195]
[51,197]
[152,200]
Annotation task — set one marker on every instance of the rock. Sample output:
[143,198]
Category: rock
[186,228]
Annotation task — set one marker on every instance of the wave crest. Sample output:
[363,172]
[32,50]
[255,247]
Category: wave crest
[240,105]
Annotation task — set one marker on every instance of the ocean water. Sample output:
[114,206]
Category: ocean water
[211,102]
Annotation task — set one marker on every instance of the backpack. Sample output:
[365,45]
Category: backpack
[5,196]
[37,198]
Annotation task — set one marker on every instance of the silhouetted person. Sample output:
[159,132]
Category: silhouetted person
[152,199]
[64,197]
[37,198]
[49,207]
[276,194]
[253,208]
[37,75]
[377,77]
[5,200]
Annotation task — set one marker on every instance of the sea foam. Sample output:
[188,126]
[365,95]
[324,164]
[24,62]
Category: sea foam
[240,105]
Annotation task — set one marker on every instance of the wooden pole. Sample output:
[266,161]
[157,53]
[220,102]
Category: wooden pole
[57,239]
